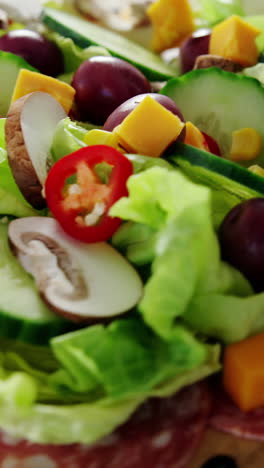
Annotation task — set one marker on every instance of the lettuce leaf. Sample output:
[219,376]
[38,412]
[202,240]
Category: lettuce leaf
[189,282]
[73,55]
[68,137]
[124,359]
[258,22]
[23,415]
[12,201]
[211,12]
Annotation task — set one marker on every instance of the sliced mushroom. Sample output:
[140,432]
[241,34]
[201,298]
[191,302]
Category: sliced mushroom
[207,60]
[79,281]
[29,130]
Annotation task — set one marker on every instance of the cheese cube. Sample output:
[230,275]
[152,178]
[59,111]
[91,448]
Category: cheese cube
[172,22]
[149,129]
[194,137]
[29,82]
[246,144]
[235,39]
[101,137]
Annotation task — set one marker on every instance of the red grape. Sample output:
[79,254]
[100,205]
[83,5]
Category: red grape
[126,107]
[212,144]
[241,237]
[103,83]
[195,45]
[35,49]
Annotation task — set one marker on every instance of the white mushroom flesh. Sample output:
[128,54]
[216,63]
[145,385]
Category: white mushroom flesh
[80,281]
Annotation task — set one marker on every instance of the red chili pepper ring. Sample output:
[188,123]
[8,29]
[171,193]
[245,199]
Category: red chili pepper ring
[79,200]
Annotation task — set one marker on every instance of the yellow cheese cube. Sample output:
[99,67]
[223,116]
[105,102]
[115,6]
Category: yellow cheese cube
[246,144]
[194,137]
[235,39]
[101,137]
[172,21]
[149,128]
[29,82]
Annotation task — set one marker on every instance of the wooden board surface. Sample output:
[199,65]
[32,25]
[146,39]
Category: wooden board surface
[248,453]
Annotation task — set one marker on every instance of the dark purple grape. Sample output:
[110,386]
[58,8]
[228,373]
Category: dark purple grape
[124,109]
[195,45]
[35,49]
[103,83]
[241,237]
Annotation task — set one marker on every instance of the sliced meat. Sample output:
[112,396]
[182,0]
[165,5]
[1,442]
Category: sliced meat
[227,417]
[163,433]
[207,61]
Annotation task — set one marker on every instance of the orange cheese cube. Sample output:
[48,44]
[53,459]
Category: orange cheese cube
[244,372]
[235,39]
[194,137]
[172,21]
[29,82]
[149,129]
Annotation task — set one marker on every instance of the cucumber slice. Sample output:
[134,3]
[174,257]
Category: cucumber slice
[23,315]
[84,33]
[220,102]
[217,173]
[10,65]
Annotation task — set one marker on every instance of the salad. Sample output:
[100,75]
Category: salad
[131,202]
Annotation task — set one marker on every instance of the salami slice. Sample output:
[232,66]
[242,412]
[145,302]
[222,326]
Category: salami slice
[163,433]
[227,417]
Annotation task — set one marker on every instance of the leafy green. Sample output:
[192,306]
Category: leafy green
[210,12]
[189,281]
[258,22]
[12,201]
[68,137]
[124,359]
[24,412]
[73,55]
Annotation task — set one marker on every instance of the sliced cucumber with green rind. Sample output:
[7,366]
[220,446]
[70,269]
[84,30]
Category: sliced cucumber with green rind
[217,173]
[219,102]
[85,33]
[23,315]
[10,65]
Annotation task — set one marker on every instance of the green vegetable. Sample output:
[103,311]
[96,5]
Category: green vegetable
[219,102]
[230,183]
[189,282]
[12,201]
[68,137]
[85,34]
[23,315]
[23,414]
[125,359]
[215,11]
[10,65]
[258,22]
[73,55]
